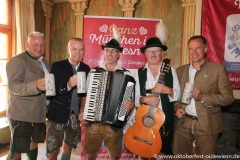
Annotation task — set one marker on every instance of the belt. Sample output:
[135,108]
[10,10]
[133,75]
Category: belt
[191,117]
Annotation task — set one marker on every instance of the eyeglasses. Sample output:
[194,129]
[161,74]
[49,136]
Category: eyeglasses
[155,51]
[111,50]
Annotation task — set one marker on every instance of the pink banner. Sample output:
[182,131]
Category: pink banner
[134,34]
[221,27]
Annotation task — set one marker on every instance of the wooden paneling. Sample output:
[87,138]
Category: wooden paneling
[170,11]
[63,28]
[63,22]
[104,8]
[39,16]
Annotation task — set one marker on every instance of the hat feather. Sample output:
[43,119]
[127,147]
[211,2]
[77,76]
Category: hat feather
[116,34]
[161,31]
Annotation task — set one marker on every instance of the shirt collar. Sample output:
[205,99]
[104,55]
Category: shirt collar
[30,55]
[146,66]
[72,64]
[117,66]
[40,59]
[191,66]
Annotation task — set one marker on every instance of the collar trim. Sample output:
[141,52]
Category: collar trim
[29,55]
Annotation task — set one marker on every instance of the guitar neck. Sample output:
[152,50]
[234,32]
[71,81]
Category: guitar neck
[160,80]
[165,67]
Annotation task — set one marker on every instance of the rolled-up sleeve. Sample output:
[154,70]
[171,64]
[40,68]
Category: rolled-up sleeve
[176,87]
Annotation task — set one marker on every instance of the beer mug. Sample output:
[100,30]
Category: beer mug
[187,93]
[50,84]
[81,82]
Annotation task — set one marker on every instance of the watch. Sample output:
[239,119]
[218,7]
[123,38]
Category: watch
[202,100]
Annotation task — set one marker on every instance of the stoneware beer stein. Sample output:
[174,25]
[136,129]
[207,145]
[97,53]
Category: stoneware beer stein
[81,82]
[50,84]
[187,93]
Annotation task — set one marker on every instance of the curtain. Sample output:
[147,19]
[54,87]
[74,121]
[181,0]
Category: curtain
[25,22]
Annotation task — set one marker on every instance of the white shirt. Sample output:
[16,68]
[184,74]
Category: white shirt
[150,83]
[41,59]
[191,108]
[76,67]
[118,66]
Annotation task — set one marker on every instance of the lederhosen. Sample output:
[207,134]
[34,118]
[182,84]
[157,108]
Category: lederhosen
[166,130]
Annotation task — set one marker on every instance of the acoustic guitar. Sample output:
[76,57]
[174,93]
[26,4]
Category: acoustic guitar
[143,137]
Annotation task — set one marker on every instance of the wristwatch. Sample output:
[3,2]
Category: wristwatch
[202,100]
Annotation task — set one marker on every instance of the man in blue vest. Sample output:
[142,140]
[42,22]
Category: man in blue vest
[147,83]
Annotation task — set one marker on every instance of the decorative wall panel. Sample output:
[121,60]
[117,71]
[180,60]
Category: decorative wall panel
[63,28]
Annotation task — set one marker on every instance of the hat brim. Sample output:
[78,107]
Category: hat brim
[112,46]
[164,48]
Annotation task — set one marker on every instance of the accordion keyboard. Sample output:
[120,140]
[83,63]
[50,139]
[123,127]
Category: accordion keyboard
[89,110]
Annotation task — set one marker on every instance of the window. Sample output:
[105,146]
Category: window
[5,50]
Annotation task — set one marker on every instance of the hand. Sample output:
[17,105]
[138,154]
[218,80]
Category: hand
[128,104]
[40,83]
[161,88]
[179,113]
[150,100]
[197,94]
[80,118]
[72,81]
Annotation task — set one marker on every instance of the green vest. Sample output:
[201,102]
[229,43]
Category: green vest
[167,106]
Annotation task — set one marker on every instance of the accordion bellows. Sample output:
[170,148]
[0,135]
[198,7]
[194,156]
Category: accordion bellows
[107,92]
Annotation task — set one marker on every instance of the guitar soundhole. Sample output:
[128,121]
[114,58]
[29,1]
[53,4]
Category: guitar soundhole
[148,121]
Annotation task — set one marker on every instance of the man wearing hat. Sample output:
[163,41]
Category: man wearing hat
[147,83]
[98,132]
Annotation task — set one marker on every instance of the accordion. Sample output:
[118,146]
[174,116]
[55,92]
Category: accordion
[106,94]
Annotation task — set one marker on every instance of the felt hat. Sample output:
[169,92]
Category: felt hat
[113,43]
[153,42]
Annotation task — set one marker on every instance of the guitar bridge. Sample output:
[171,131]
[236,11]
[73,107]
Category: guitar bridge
[142,140]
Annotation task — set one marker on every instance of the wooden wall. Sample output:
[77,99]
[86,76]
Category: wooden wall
[63,22]
[62,29]
[39,16]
